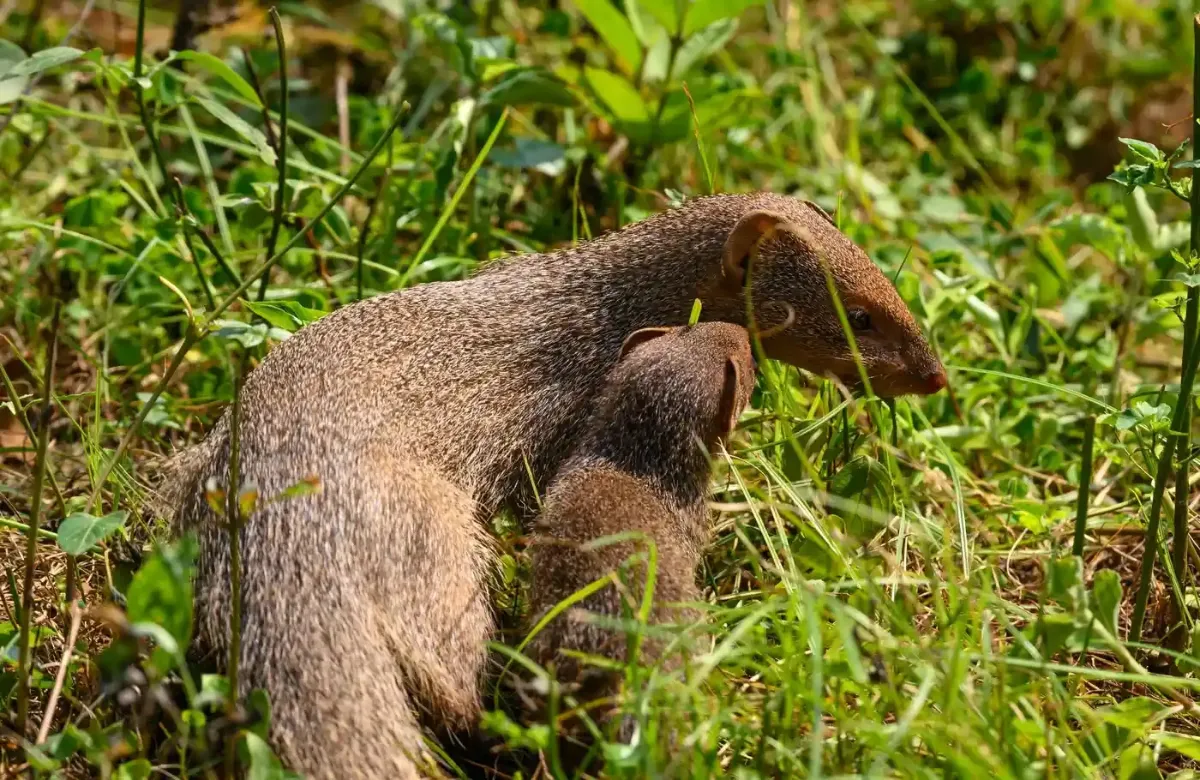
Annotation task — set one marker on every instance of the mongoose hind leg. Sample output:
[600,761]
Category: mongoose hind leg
[339,704]
[434,608]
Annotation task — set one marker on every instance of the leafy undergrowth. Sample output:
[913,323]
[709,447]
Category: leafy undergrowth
[889,591]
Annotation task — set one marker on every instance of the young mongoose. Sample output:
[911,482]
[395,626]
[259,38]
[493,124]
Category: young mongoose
[425,410]
[641,465]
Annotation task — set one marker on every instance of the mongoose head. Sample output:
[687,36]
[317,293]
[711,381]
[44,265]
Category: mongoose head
[672,395]
[780,254]
[711,362]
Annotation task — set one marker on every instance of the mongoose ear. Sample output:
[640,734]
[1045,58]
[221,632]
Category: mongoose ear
[730,407]
[820,211]
[639,337]
[750,229]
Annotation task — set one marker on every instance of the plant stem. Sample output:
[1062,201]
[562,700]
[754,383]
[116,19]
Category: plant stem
[1179,539]
[212,250]
[208,293]
[147,126]
[365,230]
[1085,484]
[233,519]
[1180,417]
[17,525]
[35,518]
[280,148]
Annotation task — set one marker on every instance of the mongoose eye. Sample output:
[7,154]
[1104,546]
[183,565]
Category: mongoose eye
[859,319]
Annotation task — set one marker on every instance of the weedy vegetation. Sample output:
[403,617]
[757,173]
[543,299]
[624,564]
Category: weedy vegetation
[997,581]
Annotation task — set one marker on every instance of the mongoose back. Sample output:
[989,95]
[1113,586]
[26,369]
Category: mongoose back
[642,466]
[364,606]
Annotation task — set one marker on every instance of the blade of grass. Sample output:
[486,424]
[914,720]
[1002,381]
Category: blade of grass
[210,181]
[708,178]
[1085,484]
[458,193]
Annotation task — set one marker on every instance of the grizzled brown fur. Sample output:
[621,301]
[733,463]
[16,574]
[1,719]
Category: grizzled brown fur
[642,465]
[422,411]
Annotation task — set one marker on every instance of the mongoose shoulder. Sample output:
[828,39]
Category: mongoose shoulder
[423,410]
[642,466]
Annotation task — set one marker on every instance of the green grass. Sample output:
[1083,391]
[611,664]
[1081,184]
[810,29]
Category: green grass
[889,592]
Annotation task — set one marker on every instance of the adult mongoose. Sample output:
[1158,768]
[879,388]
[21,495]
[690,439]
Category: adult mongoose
[641,466]
[424,410]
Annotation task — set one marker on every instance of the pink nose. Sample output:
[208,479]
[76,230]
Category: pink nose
[935,381]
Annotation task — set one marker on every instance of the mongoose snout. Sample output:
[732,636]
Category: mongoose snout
[642,467]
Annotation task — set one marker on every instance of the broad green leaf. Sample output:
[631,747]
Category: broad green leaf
[1134,175]
[1106,595]
[138,769]
[263,765]
[852,480]
[619,96]
[1063,575]
[218,68]
[248,335]
[286,315]
[161,594]
[241,127]
[11,55]
[161,636]
[528,86]
[214,691]
[42,60]
[494,70]
[1183,744]
[1056,630]
[702,13]
[68,742]
[663,11]
[545,156]
[702,45]
[1143,149]
[1138,714]
[712,111]
[80,532]
[615,29]
[1143,221]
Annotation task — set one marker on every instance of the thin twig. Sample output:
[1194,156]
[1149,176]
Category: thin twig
[59,678]
[212,249]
